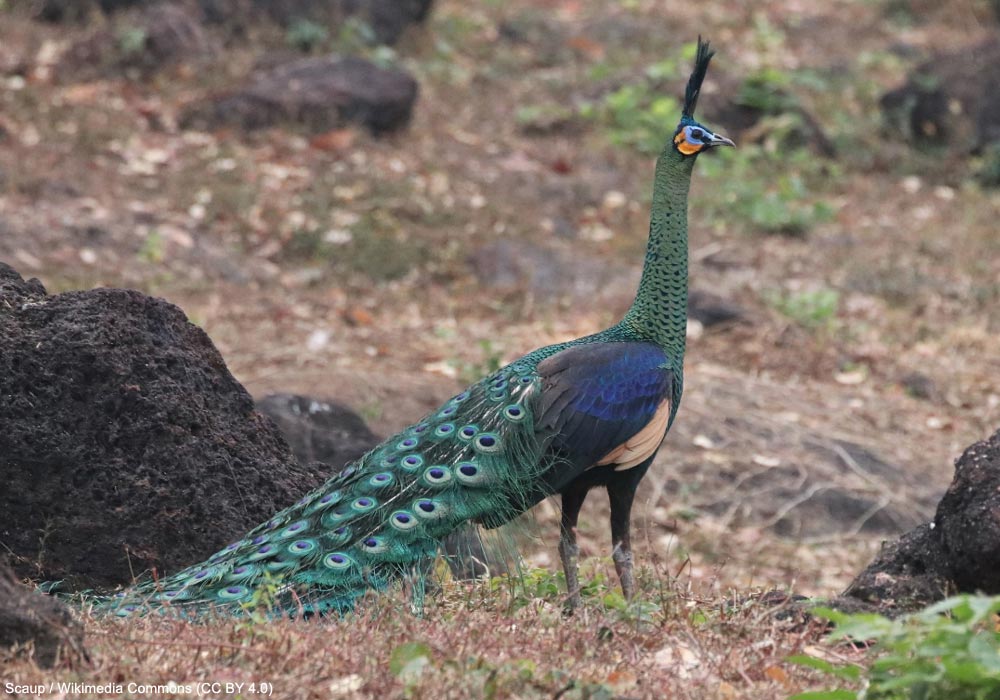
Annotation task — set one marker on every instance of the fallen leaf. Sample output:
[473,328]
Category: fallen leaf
[357,316]
[622,681]
[778,674]
[585,46]
[335,140]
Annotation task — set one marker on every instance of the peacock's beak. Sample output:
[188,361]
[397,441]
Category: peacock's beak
[720,140]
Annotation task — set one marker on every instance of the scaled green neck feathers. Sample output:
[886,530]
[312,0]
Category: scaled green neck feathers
[659,312]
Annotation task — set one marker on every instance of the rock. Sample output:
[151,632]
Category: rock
[712,310]
[320,94]
[951,100]
[15,291]
[919,385]
[385,19]
[968,519]
[319,430]
[958,553]
[126,443]
[160,35]
[30,619]
[907,574]
[172,35]
[64,10]
[388,18]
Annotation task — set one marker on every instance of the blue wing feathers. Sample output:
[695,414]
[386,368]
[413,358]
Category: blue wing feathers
[596,396]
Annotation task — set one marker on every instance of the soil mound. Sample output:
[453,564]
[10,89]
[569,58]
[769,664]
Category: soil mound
[126,442]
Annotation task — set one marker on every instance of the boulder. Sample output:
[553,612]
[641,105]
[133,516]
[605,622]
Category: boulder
[319,94]
[385,19]
[161,35]
[127,444]
[959,552]
[30,620]
[319,430]
[952,100]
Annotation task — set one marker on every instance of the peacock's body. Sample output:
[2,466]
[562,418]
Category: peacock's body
[562,419]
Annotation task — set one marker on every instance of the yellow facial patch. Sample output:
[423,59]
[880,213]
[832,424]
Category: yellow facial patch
[685,146]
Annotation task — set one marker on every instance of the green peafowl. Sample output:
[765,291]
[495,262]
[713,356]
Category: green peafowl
[560,420]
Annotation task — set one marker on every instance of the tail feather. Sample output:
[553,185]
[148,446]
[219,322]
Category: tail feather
[477,458]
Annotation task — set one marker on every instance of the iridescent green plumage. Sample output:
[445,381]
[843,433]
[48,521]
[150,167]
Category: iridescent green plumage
[561,419]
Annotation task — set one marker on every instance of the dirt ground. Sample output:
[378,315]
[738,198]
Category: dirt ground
[367,269]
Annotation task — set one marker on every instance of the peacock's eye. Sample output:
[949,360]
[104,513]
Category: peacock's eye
[697,134]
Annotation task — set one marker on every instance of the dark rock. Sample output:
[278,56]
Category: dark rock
[30,619]
[907,574]
[385,19]
[388,19]
[14,291]
[160,35]
[126,443]
[968,519]
[64,10]
[172,35]
[958,553]
[952,100]
[712,310]
[319,94]
[919,385]
[319,430]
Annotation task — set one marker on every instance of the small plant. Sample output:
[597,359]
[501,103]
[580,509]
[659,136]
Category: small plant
[812,308]
[988,172]
[409,660]
[634,116]
[152,249]
[354,36]
[306,35]
[131,40]
[543,118]
[949,651]
[767,189]
[490,363]
[767,91]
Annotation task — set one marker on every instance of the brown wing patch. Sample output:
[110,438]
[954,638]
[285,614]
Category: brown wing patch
[640,446]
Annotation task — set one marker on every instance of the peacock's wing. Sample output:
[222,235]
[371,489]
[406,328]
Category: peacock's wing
[603,403]
[479,457]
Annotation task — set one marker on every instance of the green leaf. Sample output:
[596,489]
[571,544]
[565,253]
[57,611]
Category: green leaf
[408,660]
[836,694]
[850,672]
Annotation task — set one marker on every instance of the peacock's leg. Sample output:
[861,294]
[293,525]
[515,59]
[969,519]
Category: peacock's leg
[569,551]
[621,493]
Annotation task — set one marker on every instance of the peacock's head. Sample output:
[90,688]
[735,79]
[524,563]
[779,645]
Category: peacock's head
[691,138]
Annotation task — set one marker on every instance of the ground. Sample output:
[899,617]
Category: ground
[368,269]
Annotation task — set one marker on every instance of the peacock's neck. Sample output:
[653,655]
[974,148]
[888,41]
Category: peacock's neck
[659,312]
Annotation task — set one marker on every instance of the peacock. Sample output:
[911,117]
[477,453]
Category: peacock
[562,419]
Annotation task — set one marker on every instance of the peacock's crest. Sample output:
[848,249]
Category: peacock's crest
[703,56]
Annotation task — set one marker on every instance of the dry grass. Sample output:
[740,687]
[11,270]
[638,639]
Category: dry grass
[479,644]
